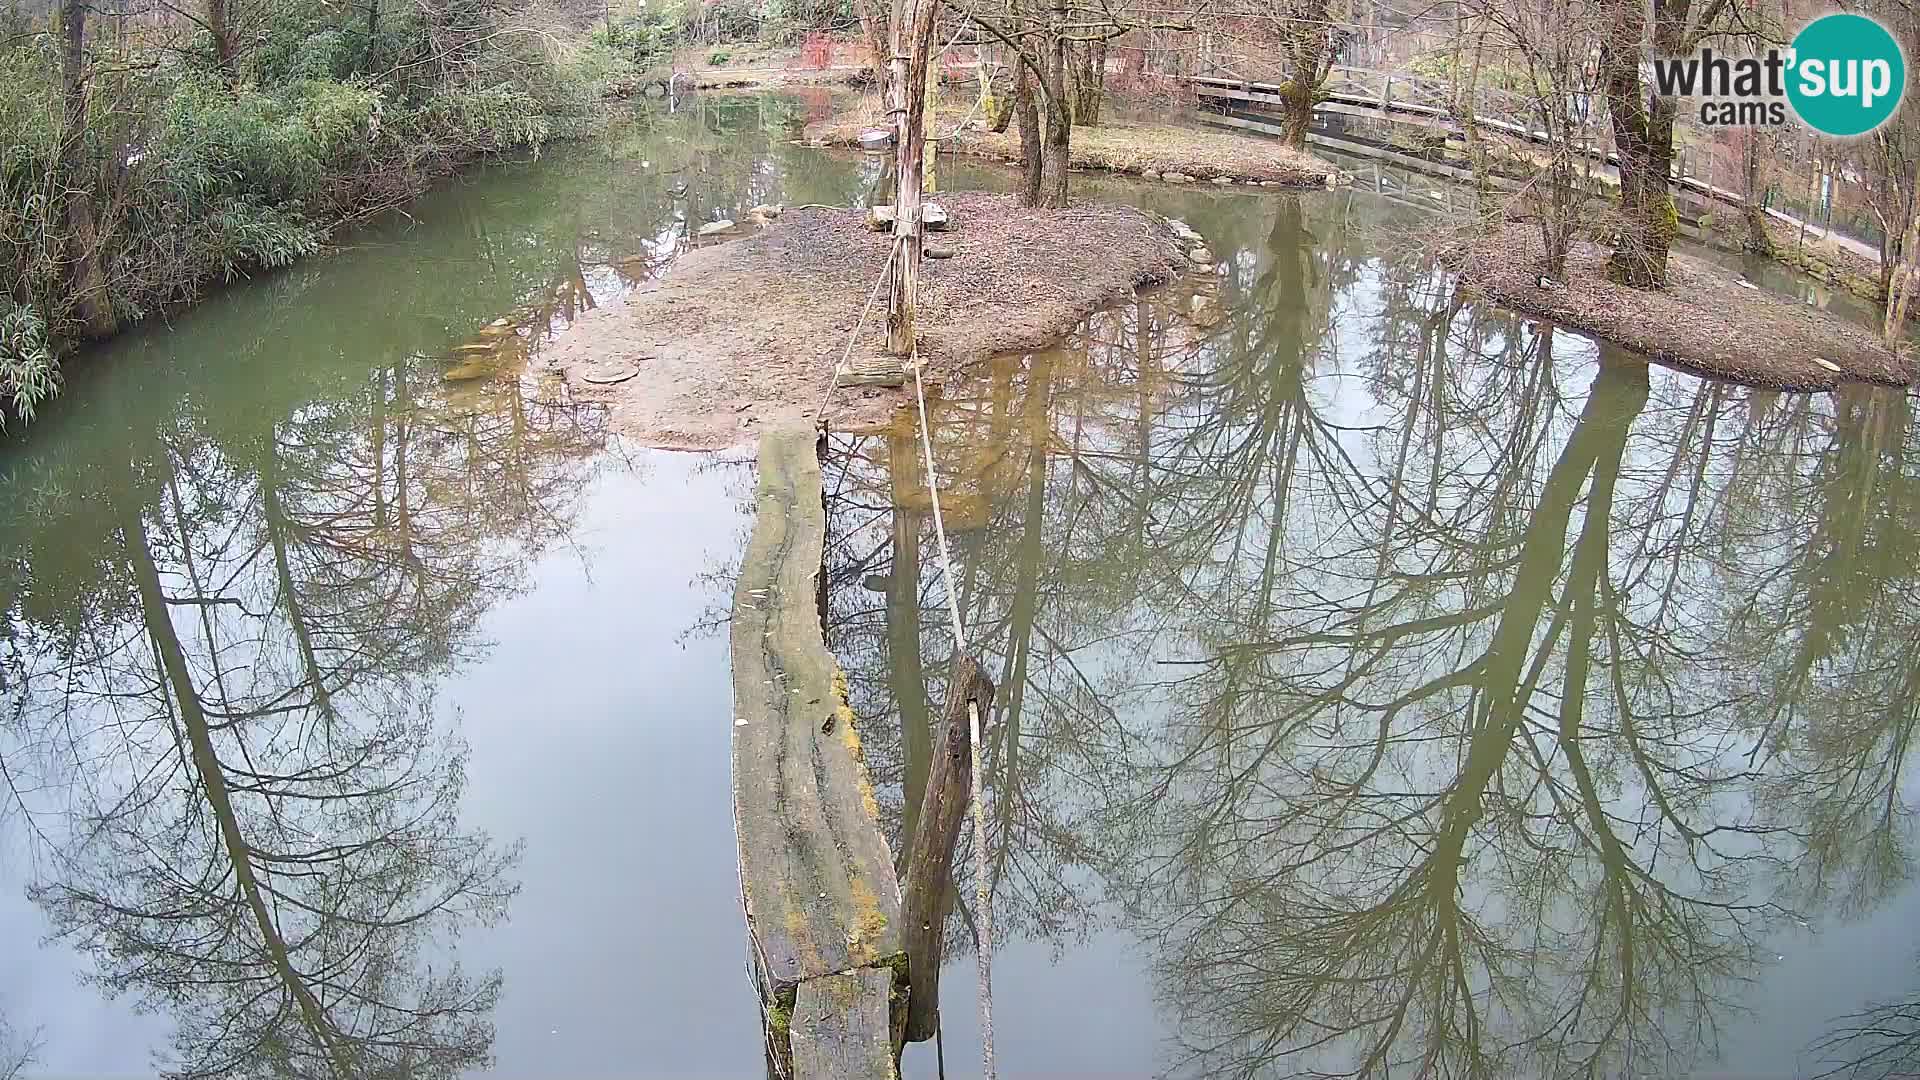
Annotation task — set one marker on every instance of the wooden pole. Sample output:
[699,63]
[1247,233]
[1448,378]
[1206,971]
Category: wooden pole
[930,146]
[913,46]
[927,895]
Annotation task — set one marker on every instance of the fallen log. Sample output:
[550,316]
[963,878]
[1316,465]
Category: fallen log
[927,899]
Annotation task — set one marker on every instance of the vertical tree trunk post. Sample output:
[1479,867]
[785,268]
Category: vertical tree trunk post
[1024,107]
[913,42]
[85,276]
[927,894]
[931,146]
[222,34]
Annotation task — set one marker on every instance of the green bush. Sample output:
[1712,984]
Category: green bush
[28,374]
[641,41]
[723,20]
[194,175]
[790,21]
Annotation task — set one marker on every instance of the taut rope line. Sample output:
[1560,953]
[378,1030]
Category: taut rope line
[982,887]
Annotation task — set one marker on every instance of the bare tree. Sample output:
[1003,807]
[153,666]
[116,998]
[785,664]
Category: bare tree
[16,1052]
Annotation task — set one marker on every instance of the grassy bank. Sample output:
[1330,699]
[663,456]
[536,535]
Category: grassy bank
[187,159]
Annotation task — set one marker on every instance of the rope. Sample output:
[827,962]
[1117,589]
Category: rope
[894,249]
[982,889]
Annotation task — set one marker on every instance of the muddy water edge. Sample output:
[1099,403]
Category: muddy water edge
[1363,655]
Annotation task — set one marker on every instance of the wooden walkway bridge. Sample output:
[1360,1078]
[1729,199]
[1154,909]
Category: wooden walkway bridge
[1428,103]
[846,961]
[816,876]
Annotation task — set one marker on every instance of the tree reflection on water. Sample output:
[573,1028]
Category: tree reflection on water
[1431,693]
[226,738]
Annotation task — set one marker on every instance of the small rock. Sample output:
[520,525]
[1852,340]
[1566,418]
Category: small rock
[478,369]
[1149,174]
[1223,180]
[1176,178]
[1205,313]
[714,228]
[607,373]
[1201,256]
[939,251]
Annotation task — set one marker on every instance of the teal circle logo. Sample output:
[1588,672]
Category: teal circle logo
[1847,76]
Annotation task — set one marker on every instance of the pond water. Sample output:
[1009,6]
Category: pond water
[1388,685]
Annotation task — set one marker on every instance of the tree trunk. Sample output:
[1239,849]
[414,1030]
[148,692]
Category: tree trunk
[1297,114]
[1029,114]
[222,34]
[1055,156]
[86,279]
[1059,133]
[1089,89]
[1644,139]
[1753,208]
[1309,49]
[1900,277]
[873,29]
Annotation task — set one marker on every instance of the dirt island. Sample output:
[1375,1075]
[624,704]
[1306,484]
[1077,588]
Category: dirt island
[1706,320]
[747,332]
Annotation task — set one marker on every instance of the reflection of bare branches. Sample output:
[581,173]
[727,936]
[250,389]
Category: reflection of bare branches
[1442,703]
[16,1052]
[1876,1044]
[265,798]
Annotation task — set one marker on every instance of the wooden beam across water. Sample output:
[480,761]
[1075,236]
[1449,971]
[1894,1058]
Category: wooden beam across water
[816,876]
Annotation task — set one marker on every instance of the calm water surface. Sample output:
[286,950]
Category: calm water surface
[1388,685]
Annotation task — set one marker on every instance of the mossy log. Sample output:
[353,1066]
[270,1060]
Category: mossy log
[840,1025]
[816,876]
